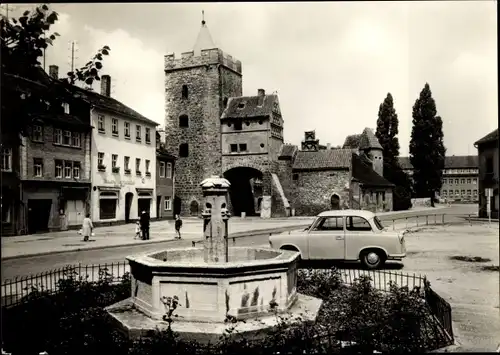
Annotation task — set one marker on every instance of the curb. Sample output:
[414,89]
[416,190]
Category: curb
[250,233]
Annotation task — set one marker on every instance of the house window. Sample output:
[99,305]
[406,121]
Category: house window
[168,203]
[462,193]
[148,135]
[457,192]
[162,169]
[238,125]
[147,167]
[76,170]
[474,181]
[243,147]
[68,167]
[65,106]
[138,166]
[126,129]
[183,121]
[169,171]
[444,193]
[450,181]
[184,150]
[234,148]
[185,92]
[469,192]
[107,205]
[100,123]
[100,160]
[114,126]
[468,181]
[475,192]
[126,163]
[58,136]
[67,138]
[37,133]
[59,168]
[456,181]
[137,133]
[6,159]
[114,160]
[462,181]
[75,139]
[38,167]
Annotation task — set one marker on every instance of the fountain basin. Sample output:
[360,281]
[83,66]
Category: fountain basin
[254,284]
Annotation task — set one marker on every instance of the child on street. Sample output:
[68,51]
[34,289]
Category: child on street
[137,230]
[178,225]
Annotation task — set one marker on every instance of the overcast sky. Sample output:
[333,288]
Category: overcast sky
[332,64]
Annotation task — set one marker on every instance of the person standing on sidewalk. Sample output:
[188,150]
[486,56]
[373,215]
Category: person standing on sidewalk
[145,225]
[87,227]
[178,225]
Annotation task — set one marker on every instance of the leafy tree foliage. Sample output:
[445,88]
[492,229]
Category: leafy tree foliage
[387,131]
[26,91]
[427,149]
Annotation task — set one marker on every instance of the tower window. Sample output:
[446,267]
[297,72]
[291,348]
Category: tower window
[184,150]
[241,105]
[295,177]
[243,147]
[225,102]
[183,121]
[233,147]
[185,92]
[237,125]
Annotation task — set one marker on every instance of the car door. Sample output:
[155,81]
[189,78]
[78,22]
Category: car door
[358,234]
[326,239]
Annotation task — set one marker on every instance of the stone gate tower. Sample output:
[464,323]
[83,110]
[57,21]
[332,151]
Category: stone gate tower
[197,87]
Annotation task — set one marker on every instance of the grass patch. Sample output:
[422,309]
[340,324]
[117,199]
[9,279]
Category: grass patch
[470,259]
[491,268]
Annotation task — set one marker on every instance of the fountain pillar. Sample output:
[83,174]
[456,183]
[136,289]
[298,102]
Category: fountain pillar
[215,215]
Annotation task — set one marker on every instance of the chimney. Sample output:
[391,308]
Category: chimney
[328,146]
[261,93]
[54,71]
[106,85]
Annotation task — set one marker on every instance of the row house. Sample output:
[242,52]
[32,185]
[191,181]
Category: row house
[459,179]
[488,157]
[123,159]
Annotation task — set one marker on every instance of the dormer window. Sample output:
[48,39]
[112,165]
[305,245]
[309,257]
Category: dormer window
[241,105]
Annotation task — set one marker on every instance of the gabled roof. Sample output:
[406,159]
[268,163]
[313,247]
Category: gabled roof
[323,159]
[368,140]
[163,154]
[490,137]
[111,104]
[365,174]
[65,120]
[450,162]
[248,106]
[287,152]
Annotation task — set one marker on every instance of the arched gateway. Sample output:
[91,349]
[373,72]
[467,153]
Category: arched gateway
[246,190]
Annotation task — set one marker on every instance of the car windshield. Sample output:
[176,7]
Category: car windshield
[378,223]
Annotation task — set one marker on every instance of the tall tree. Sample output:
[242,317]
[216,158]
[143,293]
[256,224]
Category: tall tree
[387,131]
[25,93]
[427,149]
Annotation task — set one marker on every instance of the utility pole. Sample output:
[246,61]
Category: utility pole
[72,55]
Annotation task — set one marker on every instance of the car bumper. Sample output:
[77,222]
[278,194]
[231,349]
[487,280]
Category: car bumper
[396,256]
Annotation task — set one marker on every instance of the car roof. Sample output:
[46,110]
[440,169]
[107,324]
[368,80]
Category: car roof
[342,213]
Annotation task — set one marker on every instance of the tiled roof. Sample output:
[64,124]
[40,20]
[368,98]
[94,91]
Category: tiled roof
[251,106]
[365,174]
[64,120]
[368,140]
[490,137]
[111,104]
[352,141]
[450,162]
[323,159]
[287,152]
[161,153]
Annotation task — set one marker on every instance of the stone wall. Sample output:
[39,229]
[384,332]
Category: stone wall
[207,85]
[312,191]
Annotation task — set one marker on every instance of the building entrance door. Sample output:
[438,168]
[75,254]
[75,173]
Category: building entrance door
[38,215]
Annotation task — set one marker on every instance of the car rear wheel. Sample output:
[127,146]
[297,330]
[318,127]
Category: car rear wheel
[373,259]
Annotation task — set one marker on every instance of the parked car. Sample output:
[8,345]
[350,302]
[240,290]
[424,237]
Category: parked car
[345,235]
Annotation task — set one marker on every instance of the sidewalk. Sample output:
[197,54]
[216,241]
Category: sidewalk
[160,231]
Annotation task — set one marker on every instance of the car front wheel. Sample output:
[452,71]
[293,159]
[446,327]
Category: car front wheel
[373,259]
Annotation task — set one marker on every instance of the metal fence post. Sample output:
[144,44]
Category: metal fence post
[417,221]
[393,224]
[426,220]
[442,218]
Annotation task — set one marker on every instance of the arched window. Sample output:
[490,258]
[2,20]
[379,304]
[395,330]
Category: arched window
[185,92]
[183,121]
[184,150]
[193,208]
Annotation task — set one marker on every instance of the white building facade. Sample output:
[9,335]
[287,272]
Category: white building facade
[123,174]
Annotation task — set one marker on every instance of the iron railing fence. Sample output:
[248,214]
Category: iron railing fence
[14,291]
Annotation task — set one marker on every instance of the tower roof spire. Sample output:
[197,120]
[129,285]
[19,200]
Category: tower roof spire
[204,40]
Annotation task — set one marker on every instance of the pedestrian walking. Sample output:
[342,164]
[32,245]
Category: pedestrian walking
[87,227]
[178,225]
[144,220]
[137,230]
